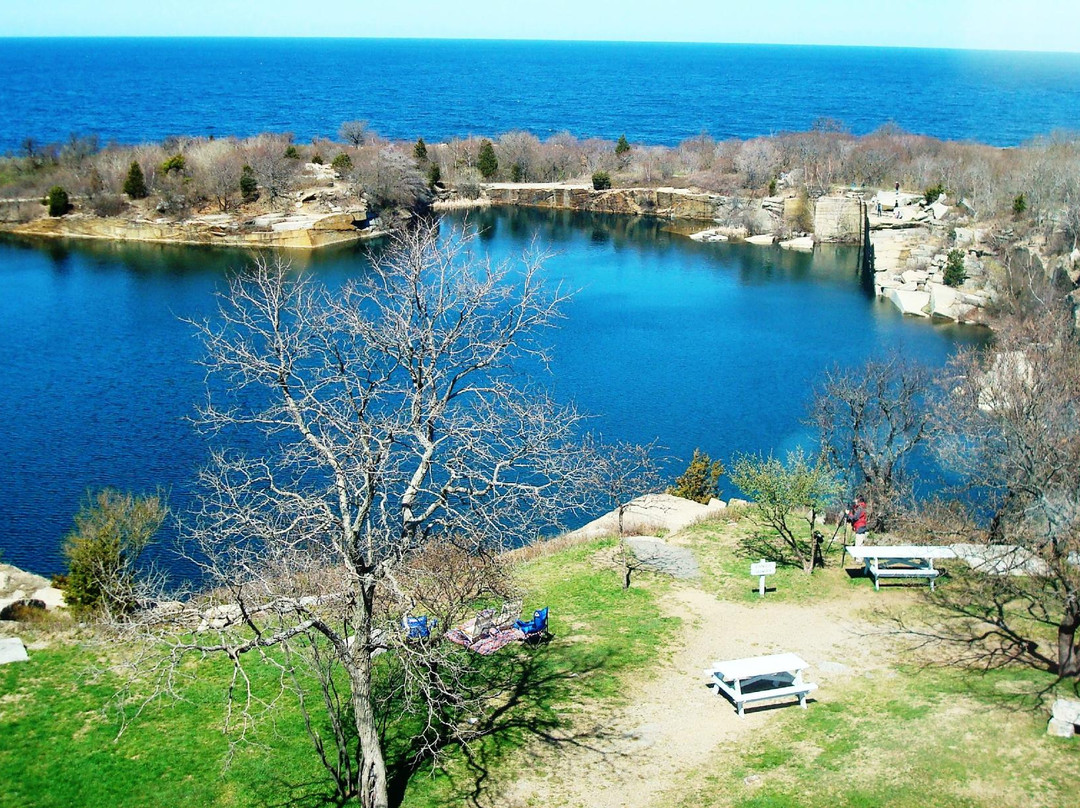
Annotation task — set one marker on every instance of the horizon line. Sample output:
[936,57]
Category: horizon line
[956,48]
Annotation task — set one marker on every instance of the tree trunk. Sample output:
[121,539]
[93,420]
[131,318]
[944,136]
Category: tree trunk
[1068,654]
[372,779]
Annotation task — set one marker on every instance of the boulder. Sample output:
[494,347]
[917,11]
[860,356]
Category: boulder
[763,239]
[914,276]
[735,502]
[1066,710]
[939,209]
[910,302]
[21,609]
[946,302]
[12,650]
[52,597]
[804,243]
[1060,729]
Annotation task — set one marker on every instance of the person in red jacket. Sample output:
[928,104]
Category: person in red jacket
[858,517]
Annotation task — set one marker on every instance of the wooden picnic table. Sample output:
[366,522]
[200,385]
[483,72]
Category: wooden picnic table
[900,561]
[760,678]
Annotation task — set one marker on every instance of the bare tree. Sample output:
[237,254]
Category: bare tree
[1011,420]
[393,442]
[355,133]
[274,171]
[618,473]
[870,420]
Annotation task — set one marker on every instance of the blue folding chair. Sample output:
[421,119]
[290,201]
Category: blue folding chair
[536,627]
[418,628]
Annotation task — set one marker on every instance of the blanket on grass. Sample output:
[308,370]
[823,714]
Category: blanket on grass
[485,646]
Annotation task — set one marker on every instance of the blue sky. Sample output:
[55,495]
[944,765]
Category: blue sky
[1045,25]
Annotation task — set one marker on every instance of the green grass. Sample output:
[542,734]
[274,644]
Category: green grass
[60,744]
[726,567]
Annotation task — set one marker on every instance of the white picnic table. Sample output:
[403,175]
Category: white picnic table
[900,560]
[761,678]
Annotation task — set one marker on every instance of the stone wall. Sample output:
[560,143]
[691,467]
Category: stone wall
[840,219]
[667,203]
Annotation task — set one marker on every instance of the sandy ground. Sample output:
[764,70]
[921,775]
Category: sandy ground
[643,755]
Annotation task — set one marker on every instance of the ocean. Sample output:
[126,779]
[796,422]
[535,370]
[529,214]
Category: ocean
[137,90]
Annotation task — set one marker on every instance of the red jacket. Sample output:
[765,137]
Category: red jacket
[858,518]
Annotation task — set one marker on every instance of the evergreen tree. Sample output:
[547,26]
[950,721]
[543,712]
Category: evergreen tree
[434,174]
[420,151]
[249,188]
[135,184]
[701,480]
[486,161]
[57,200]
[622,147]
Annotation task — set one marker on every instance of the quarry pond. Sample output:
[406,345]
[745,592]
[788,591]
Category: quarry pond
[714,346]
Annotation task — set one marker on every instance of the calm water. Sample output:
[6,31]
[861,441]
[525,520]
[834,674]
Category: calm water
[135,90]
[698,345]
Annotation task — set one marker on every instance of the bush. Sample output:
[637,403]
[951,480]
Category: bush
[933,192]
[955,274]
[342,163]
[108,205]
[420,151]
[517,173]
[772,187]
[601,180]
[249,187]
[1019,205]
[111,531]
[317,159]
[701,480]
[174,165]
[434,175]
[57,200]
[291,152]
[135,183]
[486,161]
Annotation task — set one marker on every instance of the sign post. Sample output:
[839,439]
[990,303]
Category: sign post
[761,569]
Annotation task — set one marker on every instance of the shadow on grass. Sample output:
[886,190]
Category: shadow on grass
[523,689]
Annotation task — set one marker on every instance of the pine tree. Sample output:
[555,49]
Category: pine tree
[486,161]
[701,480]
[622,147]
[135,184]
[420,151]
[249,188]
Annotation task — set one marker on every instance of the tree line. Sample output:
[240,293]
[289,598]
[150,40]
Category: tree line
[1037,183]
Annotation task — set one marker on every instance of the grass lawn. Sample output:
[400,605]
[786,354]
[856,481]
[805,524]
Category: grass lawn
[892,734]
[61,748]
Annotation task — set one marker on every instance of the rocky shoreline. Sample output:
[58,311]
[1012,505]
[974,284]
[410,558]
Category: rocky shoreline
[907,237]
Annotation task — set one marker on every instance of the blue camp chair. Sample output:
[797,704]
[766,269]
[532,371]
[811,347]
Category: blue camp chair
[418,628]
[536,627]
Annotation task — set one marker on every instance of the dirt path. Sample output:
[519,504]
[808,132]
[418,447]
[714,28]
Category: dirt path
[643,755]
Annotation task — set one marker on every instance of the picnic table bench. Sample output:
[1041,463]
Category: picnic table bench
[760,678]
[900,561]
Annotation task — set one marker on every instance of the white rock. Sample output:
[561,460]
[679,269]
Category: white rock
[805,243]
[910,301]
[1067,710]
[942,299]
[763,239]
[735,502]
[12,650]
[1060,729]
[939,210]
[716,504]
[52,597]
[914,276]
